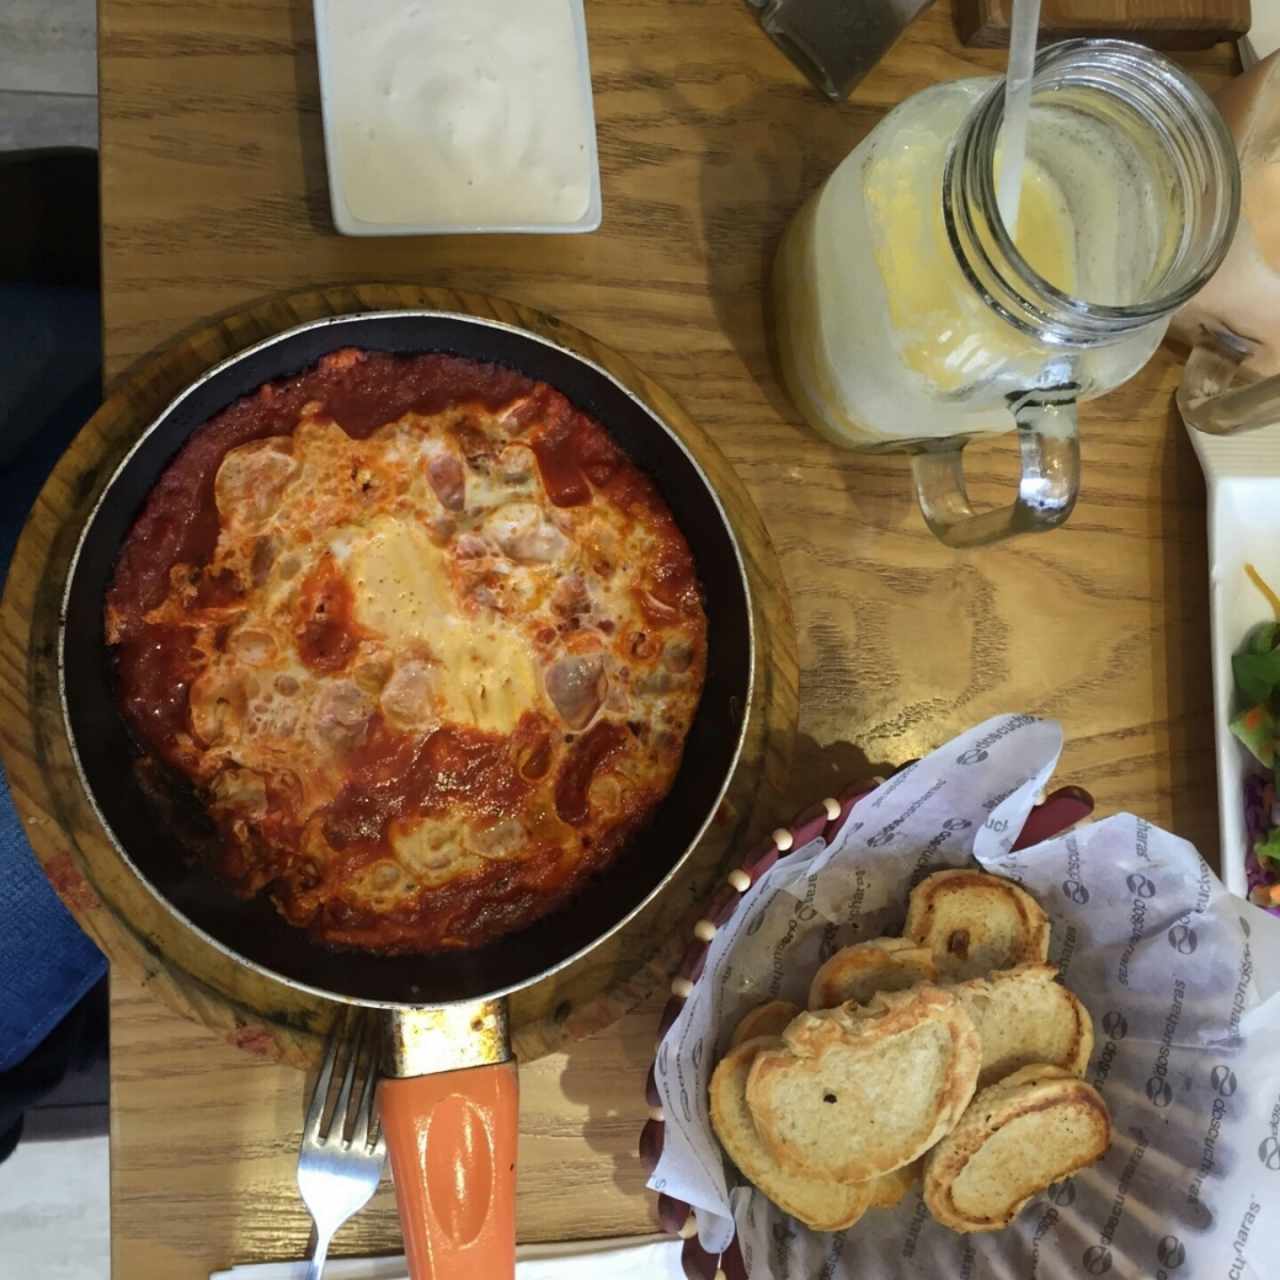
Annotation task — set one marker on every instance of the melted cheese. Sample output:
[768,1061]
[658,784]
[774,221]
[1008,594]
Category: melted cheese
[403,593]
[432,851]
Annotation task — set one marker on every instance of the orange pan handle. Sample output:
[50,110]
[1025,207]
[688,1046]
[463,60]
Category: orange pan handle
[452,1142]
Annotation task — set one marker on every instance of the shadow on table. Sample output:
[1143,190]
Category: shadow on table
[613,1127]
[306,76]
[819,770]
[761,161]
[1181,660]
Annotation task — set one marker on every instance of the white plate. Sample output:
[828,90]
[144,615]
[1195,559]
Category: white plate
[330,54]
[1242,474]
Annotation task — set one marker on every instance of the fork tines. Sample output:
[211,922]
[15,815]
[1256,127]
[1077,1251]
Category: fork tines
[352,1054]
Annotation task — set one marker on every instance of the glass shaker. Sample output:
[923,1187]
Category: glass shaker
[1232,378]
[909,319]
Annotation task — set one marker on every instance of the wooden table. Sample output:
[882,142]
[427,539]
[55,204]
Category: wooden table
[214,193]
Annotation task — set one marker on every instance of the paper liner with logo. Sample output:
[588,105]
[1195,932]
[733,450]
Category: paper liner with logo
[1182,980]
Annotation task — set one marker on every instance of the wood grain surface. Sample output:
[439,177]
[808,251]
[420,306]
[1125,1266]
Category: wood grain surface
[1163,24]
[214,194]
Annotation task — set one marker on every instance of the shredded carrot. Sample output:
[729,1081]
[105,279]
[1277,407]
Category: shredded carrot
[1253,717]
[1265,895]
[1272,599]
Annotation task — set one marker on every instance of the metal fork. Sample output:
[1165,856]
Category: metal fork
[340,1162]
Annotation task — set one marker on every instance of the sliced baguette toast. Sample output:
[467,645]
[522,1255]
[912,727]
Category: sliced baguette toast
[973,923]
[819,1203]
[769,1019]
[1034,1128]
[860,971]
[1024,1016]
[859,1091]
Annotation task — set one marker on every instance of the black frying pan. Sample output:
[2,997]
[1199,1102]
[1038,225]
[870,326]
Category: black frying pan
[413,987]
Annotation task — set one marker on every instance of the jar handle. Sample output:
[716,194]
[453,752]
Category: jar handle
[1047,490]
[1216,397]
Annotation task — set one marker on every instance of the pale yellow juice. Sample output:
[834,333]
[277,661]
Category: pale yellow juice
[949,346]
[883,339]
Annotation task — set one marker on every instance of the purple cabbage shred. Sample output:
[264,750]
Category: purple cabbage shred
[1260,816]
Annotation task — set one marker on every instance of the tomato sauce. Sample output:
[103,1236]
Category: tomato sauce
[590,753]
[327,633]
[161,663]
[672,584]
[217,590]
[557,450]
[393,774]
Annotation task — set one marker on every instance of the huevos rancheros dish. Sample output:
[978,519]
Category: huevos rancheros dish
[424,640]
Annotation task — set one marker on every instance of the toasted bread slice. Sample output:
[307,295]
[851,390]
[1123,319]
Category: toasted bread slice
[973,923]
[764,1020]
[819,1203]
[860,971]
[864,1089]
[1034,1128]
[890,1189]
[1025,1015]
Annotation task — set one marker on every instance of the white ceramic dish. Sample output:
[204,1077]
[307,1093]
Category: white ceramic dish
[348,91]
[1242,474]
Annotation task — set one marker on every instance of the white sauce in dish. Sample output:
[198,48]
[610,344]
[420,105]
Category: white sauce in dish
[468,112]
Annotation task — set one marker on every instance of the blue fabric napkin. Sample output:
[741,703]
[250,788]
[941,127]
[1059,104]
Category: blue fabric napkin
[49,386]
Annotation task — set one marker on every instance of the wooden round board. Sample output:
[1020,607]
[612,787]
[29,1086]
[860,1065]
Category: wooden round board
[118,910]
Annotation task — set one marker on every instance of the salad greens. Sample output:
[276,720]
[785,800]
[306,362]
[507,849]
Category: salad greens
[1257,677]
[1257,669]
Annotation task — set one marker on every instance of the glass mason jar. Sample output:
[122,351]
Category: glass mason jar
[908,319]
